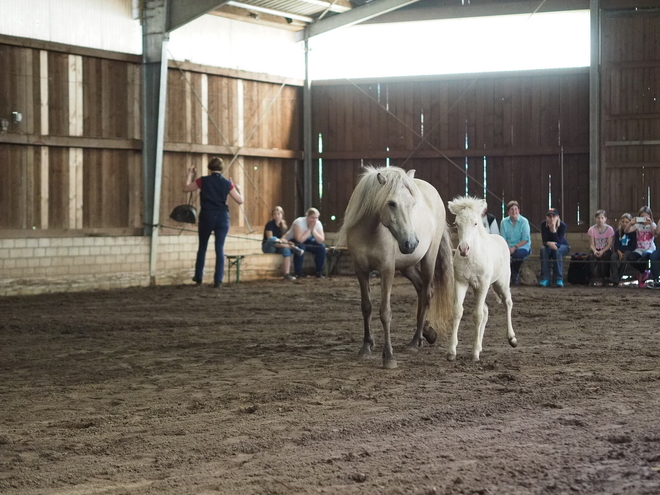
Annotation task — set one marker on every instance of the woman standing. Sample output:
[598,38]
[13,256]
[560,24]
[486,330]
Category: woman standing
[213,216]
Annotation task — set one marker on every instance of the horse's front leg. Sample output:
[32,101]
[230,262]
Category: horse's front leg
[460,289]
[480,319]
[386,318]
[415,276]
[365,294]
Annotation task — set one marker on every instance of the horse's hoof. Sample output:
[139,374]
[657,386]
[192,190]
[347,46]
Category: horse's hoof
[451,357]
[475,358]
[513,342]
[430,335]
[413,346]
[389,364]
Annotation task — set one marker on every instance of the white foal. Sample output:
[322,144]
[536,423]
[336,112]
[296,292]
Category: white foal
[481,260]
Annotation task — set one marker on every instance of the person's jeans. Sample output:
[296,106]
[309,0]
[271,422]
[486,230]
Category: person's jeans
[553,261]
[315,248]
[218,223]
[618,267]
[655,265]
[639,261]
[597,266]
[269,247]
[516,261]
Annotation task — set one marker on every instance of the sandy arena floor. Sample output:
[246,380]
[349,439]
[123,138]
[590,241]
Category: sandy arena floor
[256,389]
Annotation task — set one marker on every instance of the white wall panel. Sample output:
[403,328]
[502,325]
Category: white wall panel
[103,24]
[109,25]
[221,42]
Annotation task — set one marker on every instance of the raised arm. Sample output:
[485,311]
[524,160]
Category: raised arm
[190,184]
[235,193]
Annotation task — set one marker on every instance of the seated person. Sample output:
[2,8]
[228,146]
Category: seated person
[624,244]
[516,233]
[307,233]
[554,248]
[272,241]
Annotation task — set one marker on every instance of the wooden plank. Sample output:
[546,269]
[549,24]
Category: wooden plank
[42,197]
[58,188]
[75,93]
[43,92]
[75,204]
[70,141]
[134,109]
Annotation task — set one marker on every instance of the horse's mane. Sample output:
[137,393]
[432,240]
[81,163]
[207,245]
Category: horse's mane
[462,203]
[369,195]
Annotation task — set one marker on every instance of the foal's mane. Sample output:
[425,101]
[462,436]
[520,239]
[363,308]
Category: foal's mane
[369,194]
[469,203]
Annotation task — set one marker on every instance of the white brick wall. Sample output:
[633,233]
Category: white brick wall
[59,264]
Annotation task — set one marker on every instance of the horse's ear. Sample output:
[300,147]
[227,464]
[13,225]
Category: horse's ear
[381,179]
[484,205]
[411,173]
[450,205]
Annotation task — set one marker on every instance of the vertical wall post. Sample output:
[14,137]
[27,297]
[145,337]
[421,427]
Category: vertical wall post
[307,133]
[154,90]
[595,168]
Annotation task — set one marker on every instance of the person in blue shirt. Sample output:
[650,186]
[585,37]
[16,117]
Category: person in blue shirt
[213,215]
[554,248]
[624,244]
[516,232]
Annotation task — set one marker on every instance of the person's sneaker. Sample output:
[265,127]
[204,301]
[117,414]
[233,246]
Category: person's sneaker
[515,279]
[641,278]
[653,284]
[197,281]
[288,276]
[560,283]
[320,275]
[301,275]
[544,283]
[217,285]
[297,251]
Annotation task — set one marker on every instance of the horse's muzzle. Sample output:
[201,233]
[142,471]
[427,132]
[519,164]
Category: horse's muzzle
[408,246]
[464,250]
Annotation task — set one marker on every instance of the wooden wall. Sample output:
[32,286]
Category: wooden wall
[630,115]
[73,165]
[526,134]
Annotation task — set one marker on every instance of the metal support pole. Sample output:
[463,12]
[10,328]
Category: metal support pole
[594,111]
[158,175]
[307,133]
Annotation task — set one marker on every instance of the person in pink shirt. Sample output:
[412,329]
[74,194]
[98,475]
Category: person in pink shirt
[602,238]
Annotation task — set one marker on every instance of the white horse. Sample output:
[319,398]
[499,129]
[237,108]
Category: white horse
[481,260]
[395,222]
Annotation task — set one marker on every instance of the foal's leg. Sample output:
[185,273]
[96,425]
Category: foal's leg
[386,277]
[502,289]
[365,293]
[480,319]
[460,289]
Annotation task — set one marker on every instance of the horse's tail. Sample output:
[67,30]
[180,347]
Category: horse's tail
[441,312]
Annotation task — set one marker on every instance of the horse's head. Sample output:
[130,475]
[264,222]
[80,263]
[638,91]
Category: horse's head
[468,220]
[397,199]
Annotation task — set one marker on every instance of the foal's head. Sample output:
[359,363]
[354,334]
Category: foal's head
[468,211]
